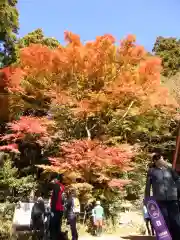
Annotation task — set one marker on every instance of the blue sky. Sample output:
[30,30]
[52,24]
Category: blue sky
[147,19]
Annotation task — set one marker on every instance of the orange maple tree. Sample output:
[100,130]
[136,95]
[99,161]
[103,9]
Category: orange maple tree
[93,162]
[91,79]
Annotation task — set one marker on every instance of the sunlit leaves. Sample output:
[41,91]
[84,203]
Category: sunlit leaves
[93,76]
[26,128]
[93,161]
[98,89]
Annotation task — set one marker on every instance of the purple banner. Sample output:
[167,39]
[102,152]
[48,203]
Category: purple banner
[157,220]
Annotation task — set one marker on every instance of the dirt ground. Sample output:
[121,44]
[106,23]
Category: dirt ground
[111,237]
[131,227]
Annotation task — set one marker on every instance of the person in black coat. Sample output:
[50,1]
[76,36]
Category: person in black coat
[165,184]
[37,218]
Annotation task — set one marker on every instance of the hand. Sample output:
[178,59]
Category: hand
[52,214]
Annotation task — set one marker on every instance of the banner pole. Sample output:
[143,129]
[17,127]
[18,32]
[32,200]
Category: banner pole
[177,148]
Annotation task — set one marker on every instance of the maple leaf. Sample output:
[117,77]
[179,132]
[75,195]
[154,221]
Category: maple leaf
[118,183]
[10,147]
[12,77]
[29,128]
[30,125]
[12,136]
[72,38]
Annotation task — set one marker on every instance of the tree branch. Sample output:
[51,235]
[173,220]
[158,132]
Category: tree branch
[88,130]
[127,111]
[88,133]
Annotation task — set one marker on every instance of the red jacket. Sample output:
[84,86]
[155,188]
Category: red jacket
[56,198]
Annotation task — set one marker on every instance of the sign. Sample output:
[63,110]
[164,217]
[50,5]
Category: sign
[157,220]
[22,214]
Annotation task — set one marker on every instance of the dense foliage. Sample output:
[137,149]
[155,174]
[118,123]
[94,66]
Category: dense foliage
[92,111]
[8,29]
[37,37]
[169,51]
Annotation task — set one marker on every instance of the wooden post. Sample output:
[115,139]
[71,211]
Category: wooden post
[176,154]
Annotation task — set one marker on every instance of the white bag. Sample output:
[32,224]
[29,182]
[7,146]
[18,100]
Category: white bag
[76,207]
[22,214]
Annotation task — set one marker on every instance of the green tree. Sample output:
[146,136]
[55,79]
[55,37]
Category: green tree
[9,24]
[169,51]
[12,185]
[37,37]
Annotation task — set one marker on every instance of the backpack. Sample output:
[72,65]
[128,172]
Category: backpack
[76,205]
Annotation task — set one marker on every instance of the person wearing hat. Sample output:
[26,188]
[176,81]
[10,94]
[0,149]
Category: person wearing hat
[165,184]
[98,215]
[57,207]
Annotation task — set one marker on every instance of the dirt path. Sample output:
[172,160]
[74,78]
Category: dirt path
[104,237]
[110,237]
[130,228]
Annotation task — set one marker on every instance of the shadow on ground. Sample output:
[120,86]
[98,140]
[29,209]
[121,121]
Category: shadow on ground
[139,238]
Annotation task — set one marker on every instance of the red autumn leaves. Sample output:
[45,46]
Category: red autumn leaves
[91,159]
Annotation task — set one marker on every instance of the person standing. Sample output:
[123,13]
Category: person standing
[98,214]
[165,184]
[57,207]
[37,218]
[148,222]
[72,209]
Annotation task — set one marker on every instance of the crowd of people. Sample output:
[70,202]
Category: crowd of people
[162,179]
[165,184]
[63,204]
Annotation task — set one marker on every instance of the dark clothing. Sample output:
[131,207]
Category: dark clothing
[165,184]
[71,218]
[148,225]
[38,227]
[171,214]
[57,209]
[69,207]
[72,222]
[57,198]
[38,209]
[55,224]
[37,218]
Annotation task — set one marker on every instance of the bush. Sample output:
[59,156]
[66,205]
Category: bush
[13,187]
[6,215]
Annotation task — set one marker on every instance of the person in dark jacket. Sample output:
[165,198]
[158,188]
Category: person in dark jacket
[57,207]
[165,184]
[37,218]
[71,213]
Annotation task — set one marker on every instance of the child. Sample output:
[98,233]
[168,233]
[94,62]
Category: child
[98,214]
[148,221]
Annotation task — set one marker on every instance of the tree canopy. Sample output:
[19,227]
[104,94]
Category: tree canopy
[9,24]
[168,49]
[37,37]
[87,107]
